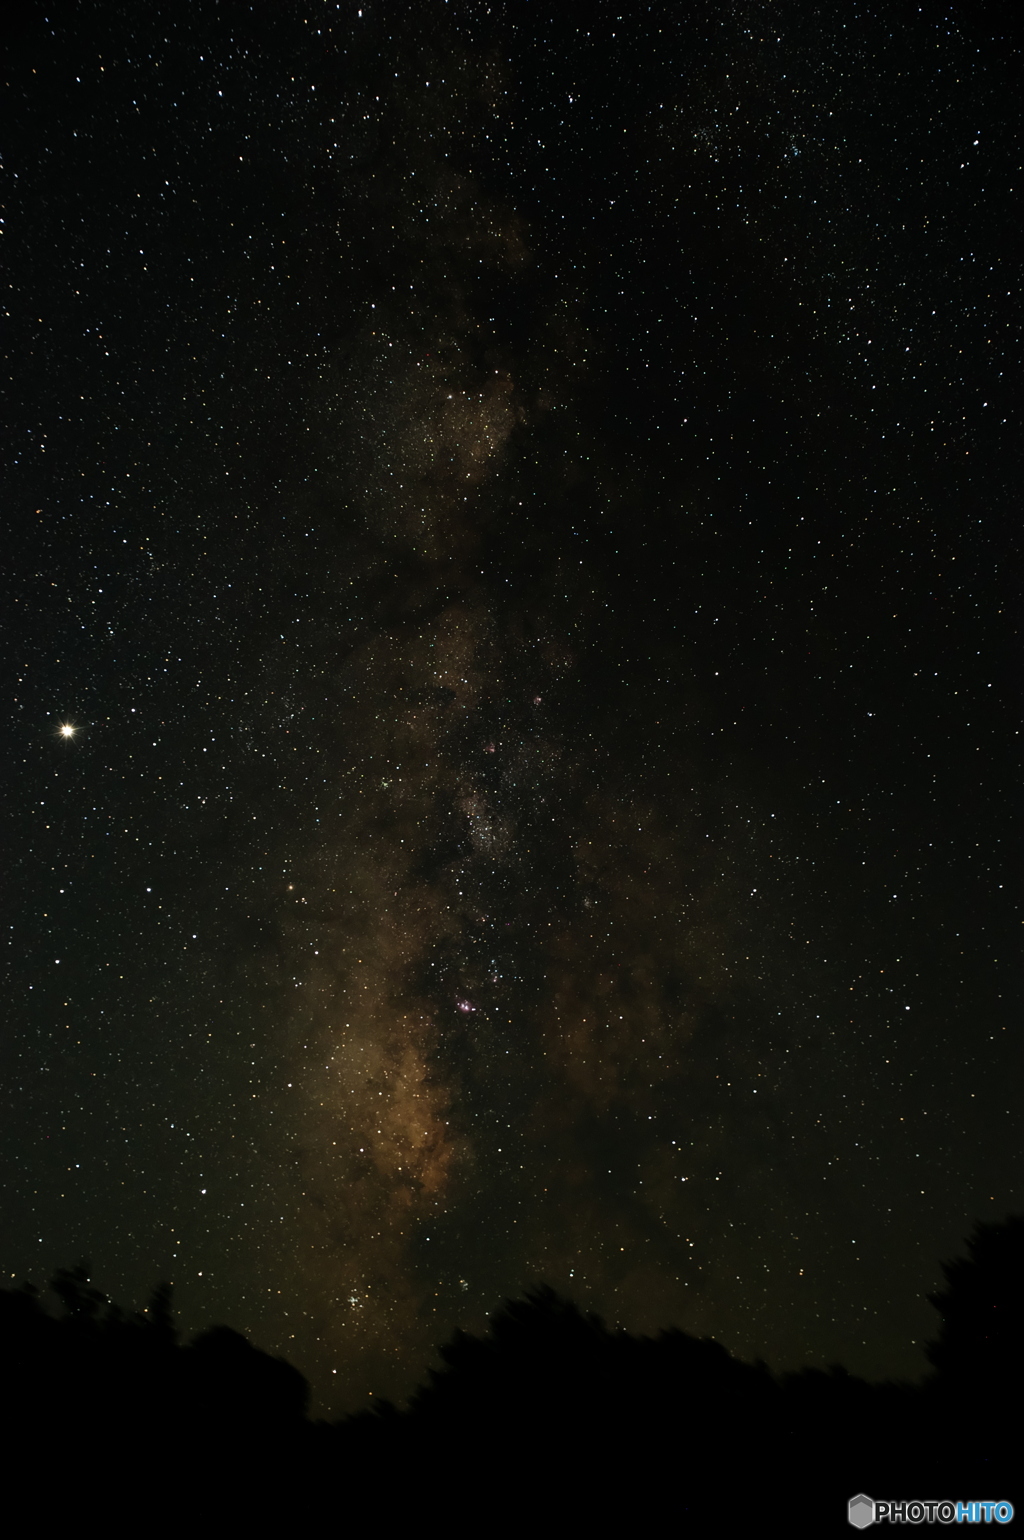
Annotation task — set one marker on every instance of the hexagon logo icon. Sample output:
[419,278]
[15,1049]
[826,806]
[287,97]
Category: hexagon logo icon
[861,1511]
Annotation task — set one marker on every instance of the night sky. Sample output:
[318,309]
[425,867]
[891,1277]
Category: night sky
[511,767]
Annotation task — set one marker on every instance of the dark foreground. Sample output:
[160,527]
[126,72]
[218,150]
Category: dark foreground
[550,1423]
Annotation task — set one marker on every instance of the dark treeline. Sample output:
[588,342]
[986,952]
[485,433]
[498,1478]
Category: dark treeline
[550,1419]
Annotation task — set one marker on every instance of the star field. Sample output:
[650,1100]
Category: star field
[512,750]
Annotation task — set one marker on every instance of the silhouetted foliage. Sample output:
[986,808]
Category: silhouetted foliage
[981,1338]
[118,1396]
[550,1406]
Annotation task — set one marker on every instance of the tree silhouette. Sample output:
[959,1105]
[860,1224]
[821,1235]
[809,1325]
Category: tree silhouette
[548,1410]
[981,1336]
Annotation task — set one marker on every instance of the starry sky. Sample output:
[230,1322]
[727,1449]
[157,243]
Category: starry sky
[512,726]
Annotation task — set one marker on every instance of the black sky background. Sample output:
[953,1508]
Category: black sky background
[519,516]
